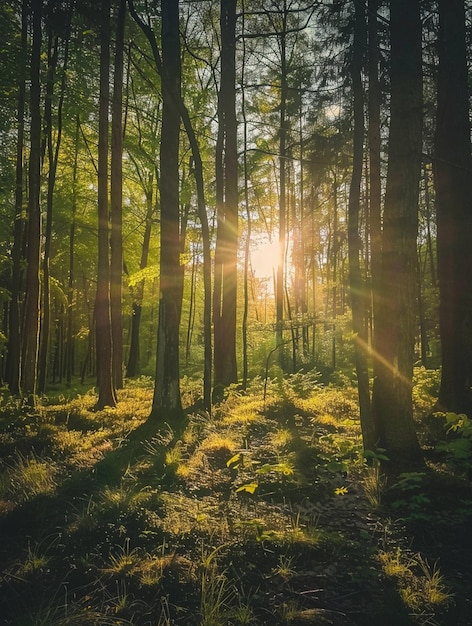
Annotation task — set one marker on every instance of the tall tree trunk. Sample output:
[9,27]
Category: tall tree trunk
[33,293]
[167,400]
[178,102]
[374,141]
[280,277]
[395,324]
[69,348]
[453,181]
[133,366]
[13,362]
[53,158]
[116,237]
[103,338]
[224,300]
[356,281]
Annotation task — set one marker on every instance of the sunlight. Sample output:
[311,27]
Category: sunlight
[264,258]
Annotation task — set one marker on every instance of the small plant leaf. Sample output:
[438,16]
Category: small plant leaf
[247,488]
[234,462]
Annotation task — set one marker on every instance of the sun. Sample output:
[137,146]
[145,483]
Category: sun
[264,258]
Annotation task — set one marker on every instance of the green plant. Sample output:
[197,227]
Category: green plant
[122,561]
[374,484]
[458,445]
[38,557]
[284,569]
[421,587]
[412,502]
[216,594]
[29,476]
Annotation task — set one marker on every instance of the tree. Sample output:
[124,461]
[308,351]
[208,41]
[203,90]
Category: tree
[104,354]
[356,281]
[395,323]
[29,368]
[14,321]
[167,400]
[225,284]
[53,150]
[175,99]
[116,236]
[453,184]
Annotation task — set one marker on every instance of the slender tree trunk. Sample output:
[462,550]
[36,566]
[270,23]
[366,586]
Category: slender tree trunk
[356,281]
[453,182]
[280,278]
[33,293]
[201,204]
[133,367]
[53,158]
[46,299]
[103,338]
[116,237]
[167,400]
[224,302]
[395,324]
[429,236]
[374,141]
[191,308]
[69,348]
[13,362]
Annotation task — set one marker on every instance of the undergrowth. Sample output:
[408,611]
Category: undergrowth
[266,512]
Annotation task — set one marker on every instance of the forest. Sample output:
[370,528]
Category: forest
[236,331]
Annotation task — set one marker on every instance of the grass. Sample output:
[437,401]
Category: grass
[264,513]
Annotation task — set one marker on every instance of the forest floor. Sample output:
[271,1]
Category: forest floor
[264,513]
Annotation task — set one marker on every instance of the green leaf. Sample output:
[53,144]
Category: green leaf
[248,488]
[235,461]
[152,271]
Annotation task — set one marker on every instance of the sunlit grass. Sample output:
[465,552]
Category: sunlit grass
[122,560]
[171,530]
[27,476]
[281,438]
[124,497]
[421,586]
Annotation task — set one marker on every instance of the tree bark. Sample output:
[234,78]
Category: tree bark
[116,236]
[280,275]
[29,370]
[198,171]
[453,183]
[53,158]
[224,300]
[133,366]
[356,281]
[395,324]
[167,400]
[374,141]
[13,363]
[103,338]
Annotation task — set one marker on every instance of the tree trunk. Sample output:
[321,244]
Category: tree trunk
[178,102]
[356,281]
[33,293]
[103,338]
[224,302]
[133,366]
[69,348]
[374,141]
[53,158]
[453,182]
[280,277]
[13,362]
[116,236]
[395,324]
[167,400]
